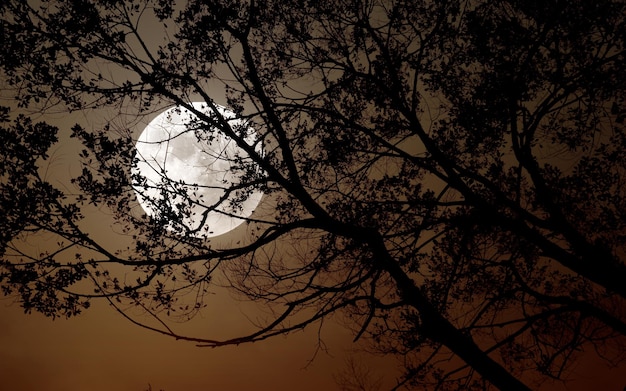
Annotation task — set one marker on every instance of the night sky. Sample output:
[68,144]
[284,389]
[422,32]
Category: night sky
[101,351]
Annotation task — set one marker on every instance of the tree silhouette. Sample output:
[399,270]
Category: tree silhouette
[448,174]
[357,377]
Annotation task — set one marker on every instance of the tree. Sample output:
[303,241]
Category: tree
[454,169]
[357,377]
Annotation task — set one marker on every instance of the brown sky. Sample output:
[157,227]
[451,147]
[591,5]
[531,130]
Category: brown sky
[101,351]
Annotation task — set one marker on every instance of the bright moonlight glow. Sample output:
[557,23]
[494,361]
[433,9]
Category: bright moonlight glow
[187,169]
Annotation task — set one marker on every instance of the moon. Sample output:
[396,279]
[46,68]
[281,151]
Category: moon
[192,177]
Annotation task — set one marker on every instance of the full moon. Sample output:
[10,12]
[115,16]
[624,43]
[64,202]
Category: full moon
[193,177]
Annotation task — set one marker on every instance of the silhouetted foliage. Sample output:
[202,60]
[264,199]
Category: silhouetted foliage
[448,174]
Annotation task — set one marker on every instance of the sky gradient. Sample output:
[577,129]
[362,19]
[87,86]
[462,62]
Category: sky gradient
[101,351]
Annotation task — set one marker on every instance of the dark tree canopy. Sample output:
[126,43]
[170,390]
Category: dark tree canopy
[450,175]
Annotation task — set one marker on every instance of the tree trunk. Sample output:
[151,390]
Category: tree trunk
[437,328]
